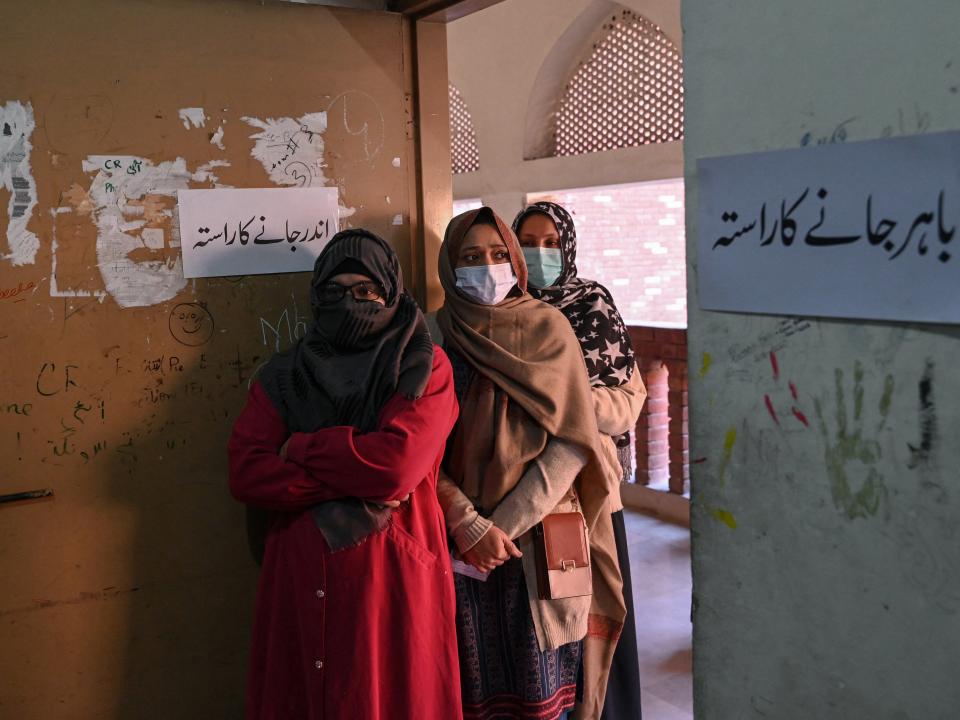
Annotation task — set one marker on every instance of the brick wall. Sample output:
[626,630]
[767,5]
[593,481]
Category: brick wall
[662,448]
[631,239]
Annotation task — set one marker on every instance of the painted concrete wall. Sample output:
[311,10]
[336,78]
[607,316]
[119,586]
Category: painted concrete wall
[500,57]
[826,562]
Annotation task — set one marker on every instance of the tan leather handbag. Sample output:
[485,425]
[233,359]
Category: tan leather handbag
[562,556]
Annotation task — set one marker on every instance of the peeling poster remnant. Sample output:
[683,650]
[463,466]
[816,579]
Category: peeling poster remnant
[217,138]
[192,117]
[16,127]
[291,150]
[132,202]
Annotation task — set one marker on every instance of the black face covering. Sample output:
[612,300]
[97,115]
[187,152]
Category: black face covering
[355,357]
[352,324]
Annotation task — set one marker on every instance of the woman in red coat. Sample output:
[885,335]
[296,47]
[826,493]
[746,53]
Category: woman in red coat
[340,441]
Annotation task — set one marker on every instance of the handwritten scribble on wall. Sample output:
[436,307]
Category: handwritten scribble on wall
[291,150]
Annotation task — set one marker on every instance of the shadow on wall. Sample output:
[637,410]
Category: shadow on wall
[190,615]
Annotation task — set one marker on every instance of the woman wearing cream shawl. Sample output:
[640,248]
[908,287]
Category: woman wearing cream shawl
[526,445]
[548,239]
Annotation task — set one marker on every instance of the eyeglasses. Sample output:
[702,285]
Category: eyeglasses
[332,292]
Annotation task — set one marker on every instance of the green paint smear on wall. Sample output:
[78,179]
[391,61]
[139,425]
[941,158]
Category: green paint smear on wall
[852,450]
[725,516]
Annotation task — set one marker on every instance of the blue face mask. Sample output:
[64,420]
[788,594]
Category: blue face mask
[486,284]
[544,265]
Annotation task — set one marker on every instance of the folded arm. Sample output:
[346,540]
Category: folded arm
[542,486]
[391,461]
[259,476]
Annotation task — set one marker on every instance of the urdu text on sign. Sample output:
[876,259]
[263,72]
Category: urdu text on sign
[858,230]
[252,231]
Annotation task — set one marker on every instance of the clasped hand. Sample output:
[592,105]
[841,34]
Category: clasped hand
[492,550]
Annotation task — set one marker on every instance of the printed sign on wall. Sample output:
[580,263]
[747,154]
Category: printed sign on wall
[858,230]
[254,231]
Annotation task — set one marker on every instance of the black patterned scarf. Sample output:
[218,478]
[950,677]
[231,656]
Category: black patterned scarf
[355,357]
[588,306]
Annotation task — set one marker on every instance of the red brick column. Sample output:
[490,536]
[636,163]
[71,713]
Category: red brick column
[662,435]
[653,427]
[675,349]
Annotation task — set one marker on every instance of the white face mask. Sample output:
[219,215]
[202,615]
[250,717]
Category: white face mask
[486,284]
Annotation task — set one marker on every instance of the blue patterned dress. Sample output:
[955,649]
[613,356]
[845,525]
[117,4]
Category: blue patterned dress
[503,674]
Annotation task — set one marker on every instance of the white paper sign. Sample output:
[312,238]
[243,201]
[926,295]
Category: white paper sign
[254,231]
[861,230]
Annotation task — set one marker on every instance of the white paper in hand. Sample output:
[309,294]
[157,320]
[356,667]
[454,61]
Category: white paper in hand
[467,570]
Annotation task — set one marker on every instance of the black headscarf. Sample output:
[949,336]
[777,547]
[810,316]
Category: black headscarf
[355,357]
[587,304]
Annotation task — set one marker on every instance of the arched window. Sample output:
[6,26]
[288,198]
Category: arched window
[628,91]
[463,140]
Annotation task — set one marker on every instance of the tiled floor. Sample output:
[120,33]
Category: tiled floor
[660,568]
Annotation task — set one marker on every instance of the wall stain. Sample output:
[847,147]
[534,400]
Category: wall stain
[728,442]
[705,364]
[928,542]
[84,597]
[850,451]
[921,452]
[725,516]
[927,536]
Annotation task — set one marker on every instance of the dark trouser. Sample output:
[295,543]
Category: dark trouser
[623,689]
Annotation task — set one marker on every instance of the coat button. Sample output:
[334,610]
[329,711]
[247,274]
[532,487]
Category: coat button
[318,664]
[320,593]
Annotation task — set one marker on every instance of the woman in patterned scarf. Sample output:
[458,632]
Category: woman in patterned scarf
[549,242]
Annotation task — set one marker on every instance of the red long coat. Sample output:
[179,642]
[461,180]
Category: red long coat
[367,633]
